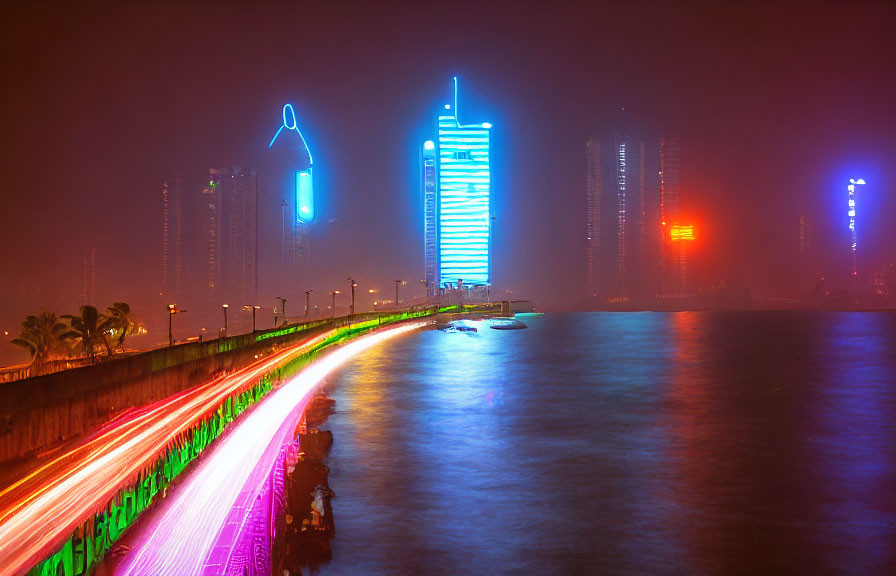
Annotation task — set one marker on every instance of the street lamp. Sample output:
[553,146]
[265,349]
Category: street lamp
[172,310]
[253,309]
[397,284]
[307,302]
[333,294]
[352,283]
[225,307]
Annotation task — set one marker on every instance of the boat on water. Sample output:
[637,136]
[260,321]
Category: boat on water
[506,324]
[459,326]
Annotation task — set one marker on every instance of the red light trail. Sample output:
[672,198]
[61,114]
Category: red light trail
[41,510]
[184,539]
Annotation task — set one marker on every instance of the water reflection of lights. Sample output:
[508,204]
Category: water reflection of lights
[180,541]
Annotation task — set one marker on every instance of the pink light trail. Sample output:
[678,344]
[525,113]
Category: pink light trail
[182,540]
[40,511]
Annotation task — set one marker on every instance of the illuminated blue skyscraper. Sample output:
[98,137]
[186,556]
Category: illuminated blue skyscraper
[430,187]
[853,271]
[463,234]
[283,171]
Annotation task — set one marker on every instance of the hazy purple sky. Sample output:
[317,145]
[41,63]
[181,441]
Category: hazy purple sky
[775,108]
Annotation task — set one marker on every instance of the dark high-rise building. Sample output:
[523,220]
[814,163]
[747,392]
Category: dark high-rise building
[806,255]
[88,275]
[230,204]
[643,261]
[593,197]
[213,194]
[628,203]
[883,282]
[239,236]
[620,165]
[631,197]
[172,238]
[671,262]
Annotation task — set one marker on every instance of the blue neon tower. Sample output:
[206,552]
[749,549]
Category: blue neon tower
[304,189]
[853,271]
[283,171]
[463,211]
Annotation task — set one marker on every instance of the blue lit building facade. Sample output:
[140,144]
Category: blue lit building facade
[286,169]
[456,173]
[430,186]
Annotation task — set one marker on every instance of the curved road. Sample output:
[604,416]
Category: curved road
[182,540]
[40,511]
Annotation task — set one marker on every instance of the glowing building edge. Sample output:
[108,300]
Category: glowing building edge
[457,211]
[851,214]
[304,185]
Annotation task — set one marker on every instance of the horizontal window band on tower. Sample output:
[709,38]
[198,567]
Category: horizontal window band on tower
[464,214]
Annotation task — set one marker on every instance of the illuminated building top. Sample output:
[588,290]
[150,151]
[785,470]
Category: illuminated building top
[289,122]
[464,210]
[304,189]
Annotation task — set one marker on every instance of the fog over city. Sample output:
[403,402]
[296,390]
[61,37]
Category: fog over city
[475,287]
[774,108]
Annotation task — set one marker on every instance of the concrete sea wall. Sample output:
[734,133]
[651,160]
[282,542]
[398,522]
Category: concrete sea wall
[42,412]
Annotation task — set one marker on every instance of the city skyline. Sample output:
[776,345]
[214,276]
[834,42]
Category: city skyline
[730,184]
[467,266]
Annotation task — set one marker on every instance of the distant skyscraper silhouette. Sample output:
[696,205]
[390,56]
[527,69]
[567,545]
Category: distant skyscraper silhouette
[671,263]
[593,194]
[172,238]
[88,275]
[618,199]
[212,195]
[621,166]
[806,255]
[240,251]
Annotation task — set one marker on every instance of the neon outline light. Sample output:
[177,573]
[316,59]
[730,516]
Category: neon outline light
[304,192]
[295,127]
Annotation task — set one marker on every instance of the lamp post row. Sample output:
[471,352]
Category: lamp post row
[173,309]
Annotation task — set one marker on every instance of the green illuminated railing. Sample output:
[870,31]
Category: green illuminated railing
[93,538]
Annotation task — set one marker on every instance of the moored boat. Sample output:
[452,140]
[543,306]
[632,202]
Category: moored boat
[506,324]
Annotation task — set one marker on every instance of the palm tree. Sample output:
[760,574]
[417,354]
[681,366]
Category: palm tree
[86,329]
[42,336]
[119,322]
